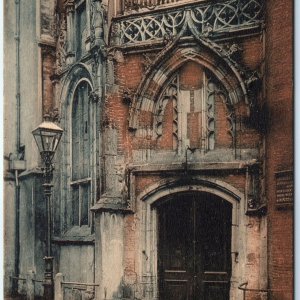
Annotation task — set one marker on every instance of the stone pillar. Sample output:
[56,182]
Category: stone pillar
[98,22]
[58,290]
[115,170]
[70,8]
[109,254]
[30,285]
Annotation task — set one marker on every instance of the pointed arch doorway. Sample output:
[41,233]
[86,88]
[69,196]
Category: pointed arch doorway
[194,247]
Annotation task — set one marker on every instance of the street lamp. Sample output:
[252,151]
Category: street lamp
[47,136]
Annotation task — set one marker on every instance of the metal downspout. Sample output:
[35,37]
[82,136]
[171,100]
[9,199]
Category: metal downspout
[17,39]
[17,187]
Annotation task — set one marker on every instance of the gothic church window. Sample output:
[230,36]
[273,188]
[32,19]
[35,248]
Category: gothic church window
[81,145]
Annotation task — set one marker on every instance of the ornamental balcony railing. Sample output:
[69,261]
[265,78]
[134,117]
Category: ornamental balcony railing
[131,5]
[205,18]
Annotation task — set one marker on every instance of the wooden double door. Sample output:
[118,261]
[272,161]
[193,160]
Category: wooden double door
[194,247]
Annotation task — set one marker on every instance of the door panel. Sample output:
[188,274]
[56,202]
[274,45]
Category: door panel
[194,247]
[176,289]
[216,291]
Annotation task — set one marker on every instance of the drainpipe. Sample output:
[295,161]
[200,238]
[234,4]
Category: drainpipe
[17,235]
[17,187]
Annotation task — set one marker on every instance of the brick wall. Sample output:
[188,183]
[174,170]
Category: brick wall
[279,142]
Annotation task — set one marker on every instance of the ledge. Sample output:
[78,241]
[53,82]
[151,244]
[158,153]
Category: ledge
[32,172]
[76,235]
[211,166]
[111,203]
[88,240]
[9,175]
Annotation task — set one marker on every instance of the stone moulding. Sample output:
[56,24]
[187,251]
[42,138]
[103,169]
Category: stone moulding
[200,174]
[204,175]
[208,19]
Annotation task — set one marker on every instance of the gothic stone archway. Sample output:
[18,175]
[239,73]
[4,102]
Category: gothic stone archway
[150,216]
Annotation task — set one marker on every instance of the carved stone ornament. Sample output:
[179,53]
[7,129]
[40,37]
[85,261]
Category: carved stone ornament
[115,55]
[98,19]
[128,95]
[227,50]
[52,115]
[116,34]
[148,59]
[134,5]
[233,48]
[48,50]
[94,97]
[95,63]
[255,202]
[70,6]
[61,46]
[168,36]
[252,81]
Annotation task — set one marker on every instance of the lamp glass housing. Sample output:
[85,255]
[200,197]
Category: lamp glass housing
[47,136]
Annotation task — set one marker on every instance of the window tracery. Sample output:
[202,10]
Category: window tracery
[194,115]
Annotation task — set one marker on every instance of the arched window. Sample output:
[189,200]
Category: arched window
[81,154]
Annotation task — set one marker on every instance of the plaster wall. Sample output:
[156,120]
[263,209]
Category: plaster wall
[9,78]
[32,228]
[29,65]
[29,118]
[29,83]
[9,142]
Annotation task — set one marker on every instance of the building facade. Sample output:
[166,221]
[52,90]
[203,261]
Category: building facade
[174,175]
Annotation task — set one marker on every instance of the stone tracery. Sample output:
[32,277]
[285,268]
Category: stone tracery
[197,105]
[206,19]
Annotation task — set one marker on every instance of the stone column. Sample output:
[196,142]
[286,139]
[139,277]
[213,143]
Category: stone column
[70,8]
[109,222]
[58,290]
[30,285]
[109,253]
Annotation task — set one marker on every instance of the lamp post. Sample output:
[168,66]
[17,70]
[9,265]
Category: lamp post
[47,136]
